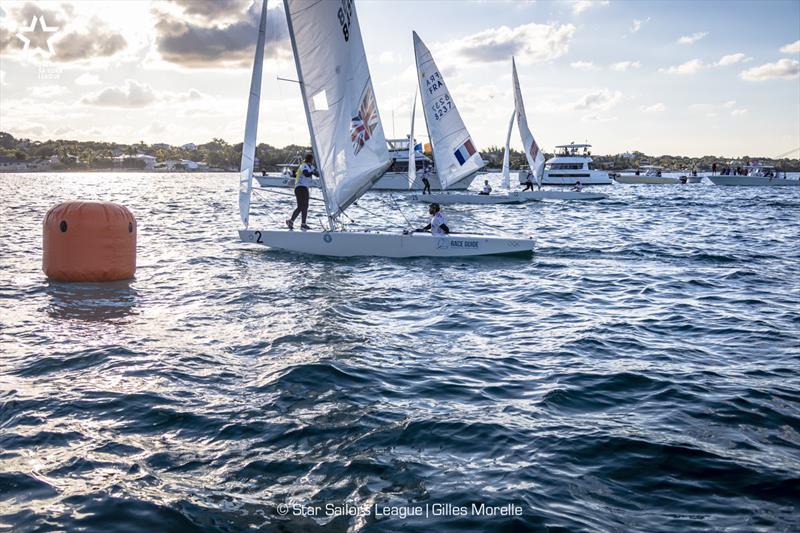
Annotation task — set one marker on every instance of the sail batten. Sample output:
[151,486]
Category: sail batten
[347,135]
[251,123]
[454,152]
[533,154]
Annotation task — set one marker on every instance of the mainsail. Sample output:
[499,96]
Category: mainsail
[534,156]
[251,124]
[453,150]
[346,131]
[412,158]
[507,155]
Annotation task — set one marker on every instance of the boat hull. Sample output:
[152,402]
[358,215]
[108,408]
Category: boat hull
[280,180]
[652,180]
[752,181]
[398,181]
[380,244]
[513,197]
[591,177]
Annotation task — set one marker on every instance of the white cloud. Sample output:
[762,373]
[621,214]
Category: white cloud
[731,59]
[738,112]
[729,104]
[583,65]
[692,66]
[529,43]
[655,108]
[579,6]
[388,58]
[622,66]
[791,48]
[599,100]
[87,79]
[47,91]
[637,24]
[693,38]
[784,69]
[132,94]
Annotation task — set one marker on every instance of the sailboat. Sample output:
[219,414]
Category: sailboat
[535,159]
[347,140]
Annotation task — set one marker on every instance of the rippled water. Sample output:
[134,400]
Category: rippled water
[640,372]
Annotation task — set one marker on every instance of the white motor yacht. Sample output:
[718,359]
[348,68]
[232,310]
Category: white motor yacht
[396,178]
[652,174]
[571,164]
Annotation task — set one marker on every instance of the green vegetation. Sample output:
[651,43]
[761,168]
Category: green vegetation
[219,155]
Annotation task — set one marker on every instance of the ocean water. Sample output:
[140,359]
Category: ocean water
[639,373]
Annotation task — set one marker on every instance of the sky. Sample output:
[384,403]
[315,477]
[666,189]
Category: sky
[662,77]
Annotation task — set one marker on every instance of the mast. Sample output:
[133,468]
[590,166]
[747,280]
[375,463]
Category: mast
[314,150]
[412,154]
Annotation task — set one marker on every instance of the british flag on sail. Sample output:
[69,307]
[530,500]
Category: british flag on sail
[464,152]
[365,121]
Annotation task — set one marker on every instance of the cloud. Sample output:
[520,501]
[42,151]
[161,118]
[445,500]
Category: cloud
[388,58]
[529,43]
[783,69]
[693,38]
[579,6]
[622,66]
[599,100]
[730,59]
[87,80]
[729,104]
[692,66]
[212,9]
[738,112]
[655,108]
[3,81]
[133,94]
[791,48]
[47,91]
[206,45]
[637,24]
[583,65]
[97,41]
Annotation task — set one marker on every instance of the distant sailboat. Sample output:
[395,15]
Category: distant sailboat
[535,161]
[348,143]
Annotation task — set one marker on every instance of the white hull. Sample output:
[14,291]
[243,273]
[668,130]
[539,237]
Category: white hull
[398,181]
[279,180]
[753,181]
[561,177]
[652,180]
[391,181]
[357,243]
[514,197]
[694,179]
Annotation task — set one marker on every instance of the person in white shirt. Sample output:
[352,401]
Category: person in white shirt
[438,224]
[578,186]
[487,189]
[426,189]
[301,192]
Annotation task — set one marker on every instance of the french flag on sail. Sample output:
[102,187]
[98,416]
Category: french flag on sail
[464,152]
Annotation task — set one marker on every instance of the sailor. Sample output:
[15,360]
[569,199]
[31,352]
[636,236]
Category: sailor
[301,191]
[487,189]
[427,184]
[578,187]
[528,182]
[438,224]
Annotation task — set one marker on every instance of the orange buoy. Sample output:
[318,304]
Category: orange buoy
[89,241]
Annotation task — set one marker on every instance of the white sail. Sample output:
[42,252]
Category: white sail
[534,156]
[454,152]
[346,131]
[251,124]
[507,155]
[412,159]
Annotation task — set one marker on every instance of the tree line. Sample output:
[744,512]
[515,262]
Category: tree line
[219,154]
